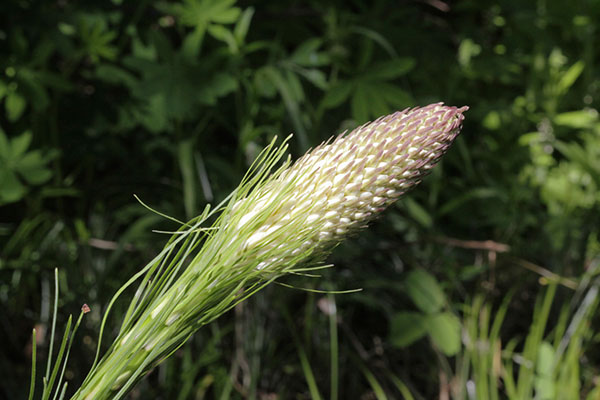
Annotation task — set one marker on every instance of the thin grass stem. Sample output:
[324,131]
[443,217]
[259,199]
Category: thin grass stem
[53,331]
[33,362]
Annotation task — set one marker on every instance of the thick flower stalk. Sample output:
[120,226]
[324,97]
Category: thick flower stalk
[276,222]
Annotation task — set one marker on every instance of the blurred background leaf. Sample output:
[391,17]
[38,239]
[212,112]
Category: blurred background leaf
[173,100]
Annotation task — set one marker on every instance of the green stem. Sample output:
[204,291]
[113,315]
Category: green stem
[333,344]
[33,357]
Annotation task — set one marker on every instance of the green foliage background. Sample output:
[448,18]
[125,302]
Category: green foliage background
[172,100]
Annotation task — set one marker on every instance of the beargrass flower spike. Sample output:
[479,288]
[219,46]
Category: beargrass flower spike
[279,220]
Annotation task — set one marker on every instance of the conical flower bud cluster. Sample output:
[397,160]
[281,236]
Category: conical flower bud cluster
[339,186]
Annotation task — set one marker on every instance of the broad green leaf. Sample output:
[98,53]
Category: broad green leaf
[406,328]
[445,331]
[337,94]
[424,290]
[15,105]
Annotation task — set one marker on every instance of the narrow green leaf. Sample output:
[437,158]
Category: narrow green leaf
[392,69]
[53,331]
[33,362]
[315,76]
[116,75]
[577,119]
[192,43]
[59,358]
[481,194]
[360,104]
[227,15]
[401,386]
[377,104]
[570,76]
[374,383]
[243,24]
[375,37]
[223,34]
[418,213]
[307,54]
[337,94]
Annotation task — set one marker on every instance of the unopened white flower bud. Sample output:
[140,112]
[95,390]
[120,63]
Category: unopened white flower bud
[340,185]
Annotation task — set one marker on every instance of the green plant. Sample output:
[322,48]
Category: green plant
[549,362]
[172,100]
[272,225]
[21,168]
[442,327]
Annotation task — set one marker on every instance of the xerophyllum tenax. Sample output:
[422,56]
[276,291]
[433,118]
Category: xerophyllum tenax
[279,220]
[340,185]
